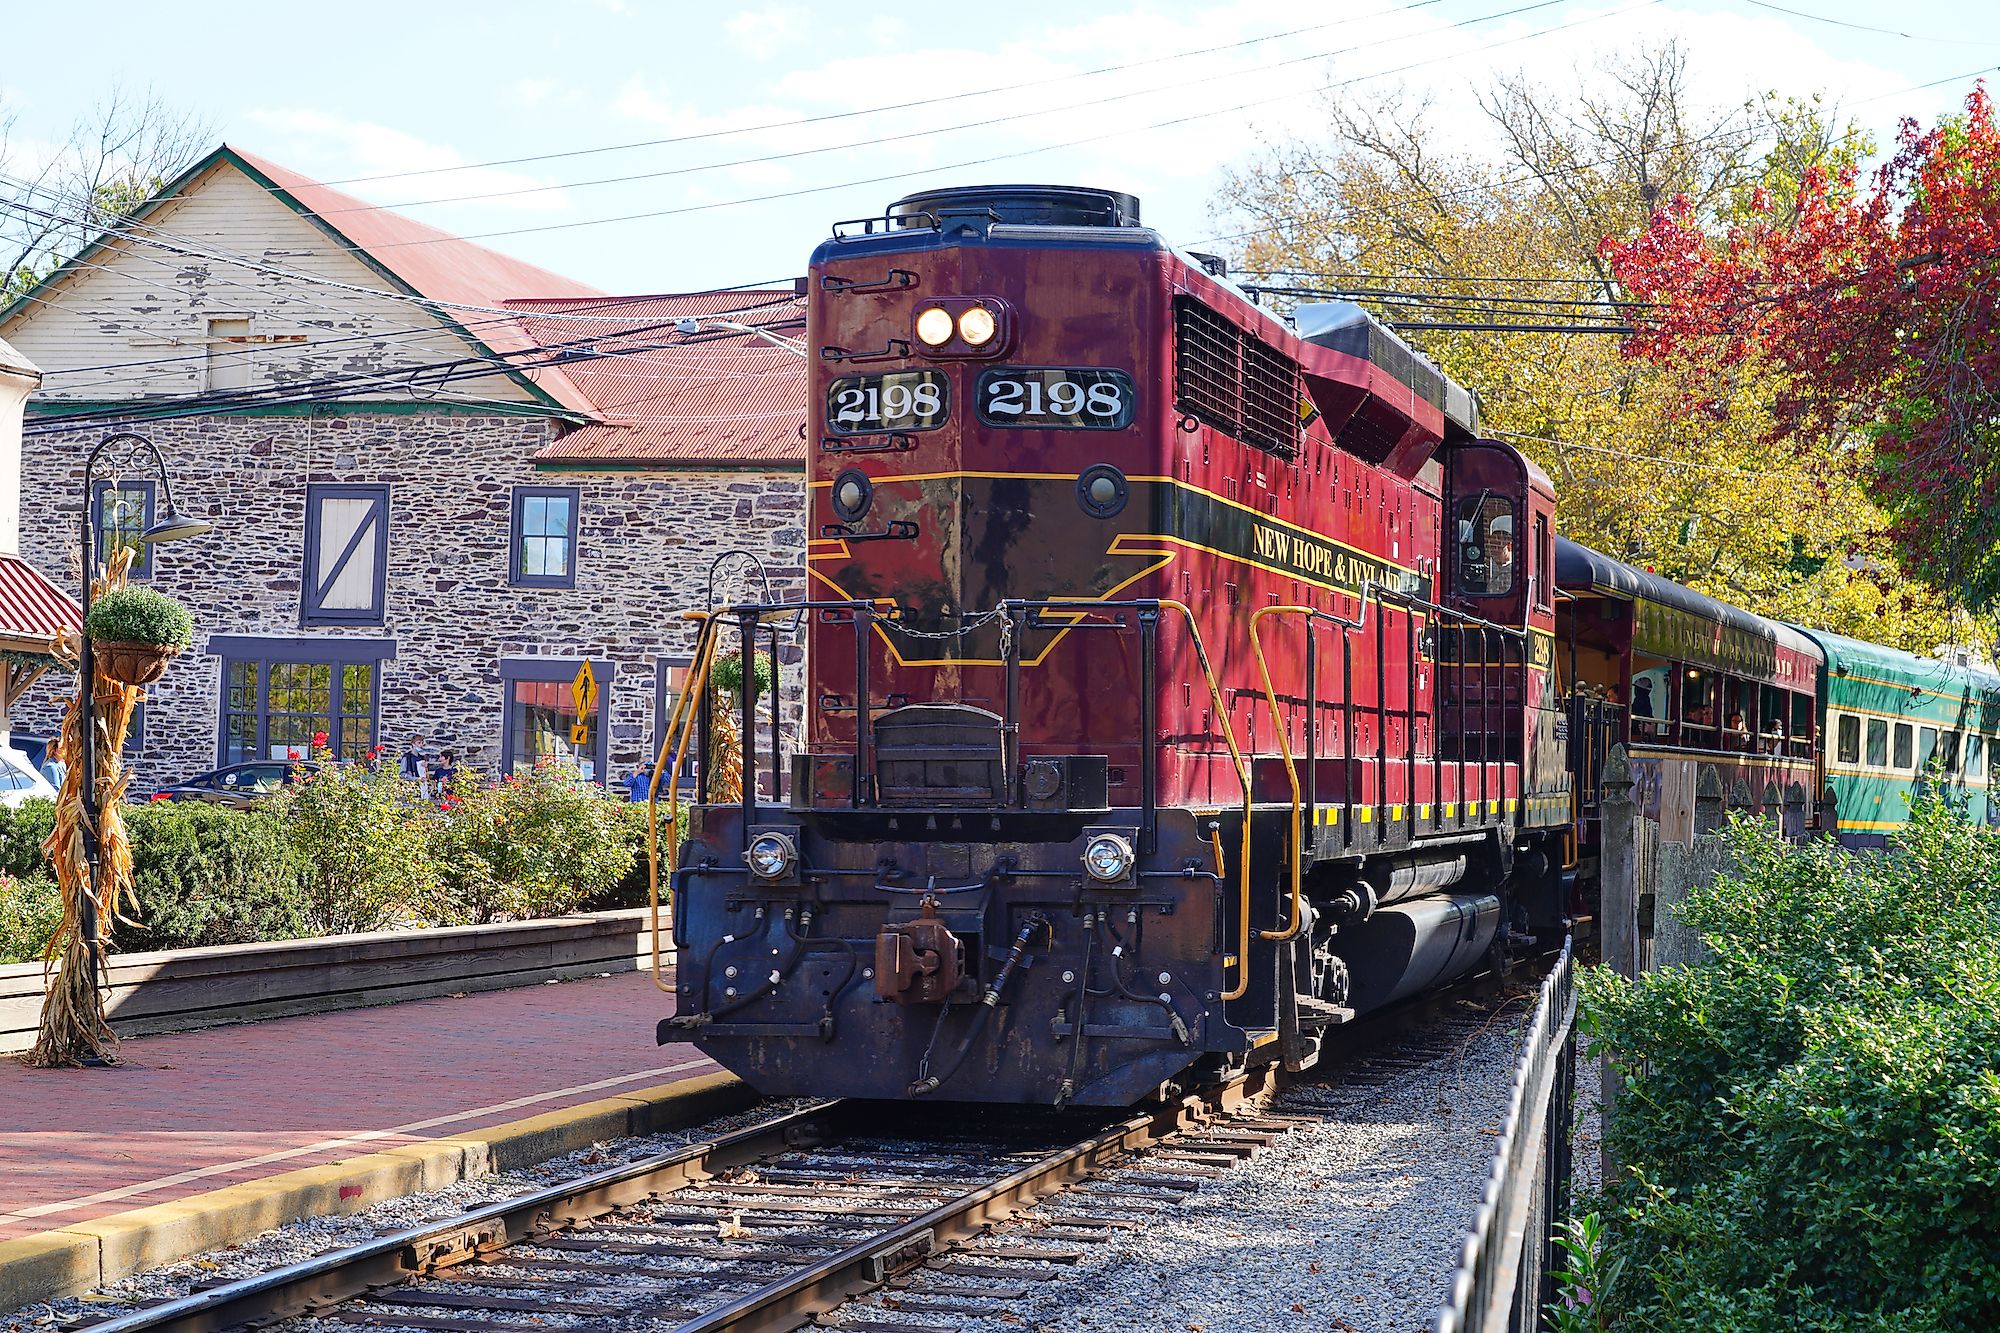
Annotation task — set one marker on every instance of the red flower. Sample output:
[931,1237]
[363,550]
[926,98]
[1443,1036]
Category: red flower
[319,740]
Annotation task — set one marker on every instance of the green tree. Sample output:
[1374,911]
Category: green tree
[1391,209]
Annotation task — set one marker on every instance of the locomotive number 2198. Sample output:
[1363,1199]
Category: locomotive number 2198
[1058,398]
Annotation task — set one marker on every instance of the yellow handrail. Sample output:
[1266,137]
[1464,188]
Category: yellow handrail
[1291,931]
[1243,777]
[679,727]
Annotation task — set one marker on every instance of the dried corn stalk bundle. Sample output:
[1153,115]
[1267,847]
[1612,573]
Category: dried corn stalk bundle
[74,1028]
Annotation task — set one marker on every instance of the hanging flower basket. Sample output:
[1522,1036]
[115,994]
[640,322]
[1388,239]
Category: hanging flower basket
[135,632]
[132,663]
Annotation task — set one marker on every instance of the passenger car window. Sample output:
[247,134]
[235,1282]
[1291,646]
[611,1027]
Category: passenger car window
[1905,745]
[1927,739]
[1849,739]
[1878,742]
[1974,748]
[1486,546]
[1948,751]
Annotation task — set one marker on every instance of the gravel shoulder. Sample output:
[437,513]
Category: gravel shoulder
[1355,1223]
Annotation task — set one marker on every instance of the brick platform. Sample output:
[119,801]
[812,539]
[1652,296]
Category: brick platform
[192,1112]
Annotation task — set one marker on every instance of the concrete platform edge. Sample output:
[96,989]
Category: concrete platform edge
[85,1255]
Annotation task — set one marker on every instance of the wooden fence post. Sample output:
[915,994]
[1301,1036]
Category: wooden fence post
[1740,799]
[1795,812]
[1707,800]
[1828,816]
[1617,914]
[1773,804]
[1618,877]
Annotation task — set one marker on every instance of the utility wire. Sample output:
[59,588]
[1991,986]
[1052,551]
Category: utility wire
[801,121]
[1015,155]
[929,131]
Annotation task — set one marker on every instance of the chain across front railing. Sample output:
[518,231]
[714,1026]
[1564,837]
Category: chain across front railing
[1505,1279]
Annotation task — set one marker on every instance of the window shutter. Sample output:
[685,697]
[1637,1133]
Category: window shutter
[347,546]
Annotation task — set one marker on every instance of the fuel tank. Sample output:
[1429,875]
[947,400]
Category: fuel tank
[1411,946]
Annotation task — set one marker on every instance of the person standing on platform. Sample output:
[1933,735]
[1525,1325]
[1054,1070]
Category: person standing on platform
[416,766]
[443,771]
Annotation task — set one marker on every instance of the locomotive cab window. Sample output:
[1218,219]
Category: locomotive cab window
[1486,546]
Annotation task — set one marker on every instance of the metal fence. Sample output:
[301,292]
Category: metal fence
[1505,1276]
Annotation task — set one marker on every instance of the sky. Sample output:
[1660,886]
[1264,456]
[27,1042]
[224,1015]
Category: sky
[455,112]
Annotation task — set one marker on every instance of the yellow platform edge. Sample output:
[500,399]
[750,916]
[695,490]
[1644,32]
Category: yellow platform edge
[82,1256]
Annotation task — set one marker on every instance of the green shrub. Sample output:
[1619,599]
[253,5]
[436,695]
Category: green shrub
[23,830]
[30,911]
[207,875]
[726,675]
[1811,1121]
[538,843]
[632,888]
[139,615]
[361,841]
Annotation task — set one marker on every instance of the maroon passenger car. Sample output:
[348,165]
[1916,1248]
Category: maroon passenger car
[1178,682]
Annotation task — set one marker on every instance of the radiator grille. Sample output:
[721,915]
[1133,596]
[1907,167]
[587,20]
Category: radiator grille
[1232,381]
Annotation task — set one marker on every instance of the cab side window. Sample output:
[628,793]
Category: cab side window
[1486,561]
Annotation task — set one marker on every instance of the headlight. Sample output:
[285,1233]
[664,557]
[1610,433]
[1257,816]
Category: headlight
[771,856]
[851,493]
[977,326]
[1107,857]
[934,327]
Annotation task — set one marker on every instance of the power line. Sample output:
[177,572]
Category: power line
[1862,27]
[1580,167]
[829,117]
[653,214]
[932,130]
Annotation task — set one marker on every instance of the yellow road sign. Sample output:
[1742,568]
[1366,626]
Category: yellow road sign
[583,690]
[579,733]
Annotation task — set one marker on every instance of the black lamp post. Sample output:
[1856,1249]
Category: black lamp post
[173,526]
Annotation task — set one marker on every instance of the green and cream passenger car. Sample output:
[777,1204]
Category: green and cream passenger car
[1887,717]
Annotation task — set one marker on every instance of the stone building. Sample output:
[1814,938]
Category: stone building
[441,480]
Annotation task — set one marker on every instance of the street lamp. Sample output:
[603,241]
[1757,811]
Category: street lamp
[173,526]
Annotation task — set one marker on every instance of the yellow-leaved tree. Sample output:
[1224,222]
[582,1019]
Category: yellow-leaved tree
[1436,228]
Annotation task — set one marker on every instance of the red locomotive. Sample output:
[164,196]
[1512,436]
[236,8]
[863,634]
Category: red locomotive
[1180,681]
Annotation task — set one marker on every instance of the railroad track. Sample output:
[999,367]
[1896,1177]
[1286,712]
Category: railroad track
[922,1211]
[762,1228]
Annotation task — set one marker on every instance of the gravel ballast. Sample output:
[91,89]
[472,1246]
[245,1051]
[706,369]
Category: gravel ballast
[1354,1223]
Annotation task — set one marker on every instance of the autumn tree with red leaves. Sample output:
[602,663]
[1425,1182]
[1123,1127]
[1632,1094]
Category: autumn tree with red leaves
[1876,314]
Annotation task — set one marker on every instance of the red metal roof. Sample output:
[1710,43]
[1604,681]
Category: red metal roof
[33,608]
[661,396]
[432,263]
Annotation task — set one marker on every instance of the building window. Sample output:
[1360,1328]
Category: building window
[543,721]
[542,545]
[347,555]
[277,694]
[120,511]
[228,354]
[670,675]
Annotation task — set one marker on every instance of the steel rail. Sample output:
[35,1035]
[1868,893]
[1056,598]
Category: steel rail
[796,1298]
[370,1269]
[340,1275]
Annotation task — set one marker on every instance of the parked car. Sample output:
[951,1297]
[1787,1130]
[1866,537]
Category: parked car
[238,786]
[36,748]
[19,780]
